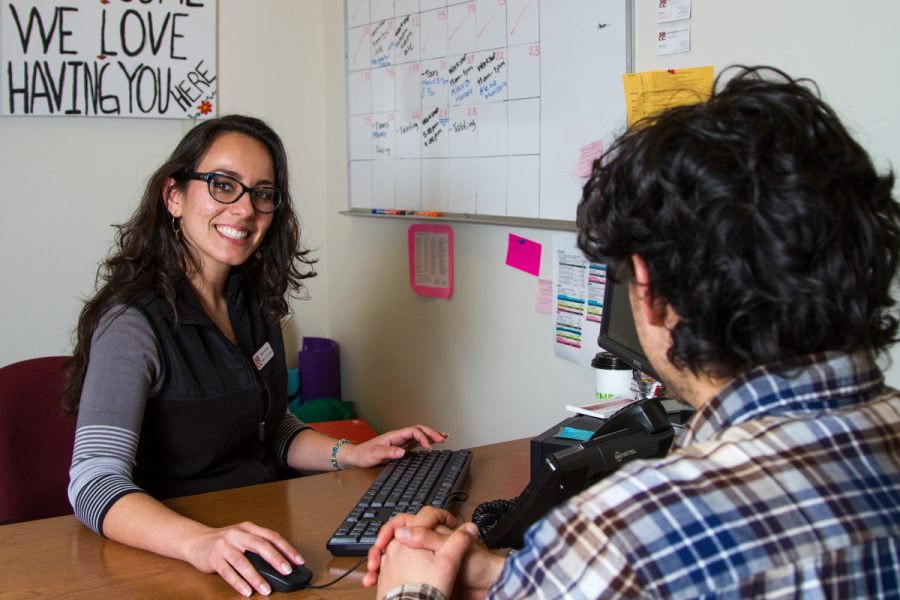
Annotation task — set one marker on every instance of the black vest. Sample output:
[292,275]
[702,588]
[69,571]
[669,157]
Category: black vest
[210,426]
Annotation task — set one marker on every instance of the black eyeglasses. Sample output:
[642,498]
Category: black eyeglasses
[228,190]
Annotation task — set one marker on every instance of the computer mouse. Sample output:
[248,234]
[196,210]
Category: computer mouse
[298,578]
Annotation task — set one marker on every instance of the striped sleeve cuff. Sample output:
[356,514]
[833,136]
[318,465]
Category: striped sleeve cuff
[290,426]
[98,497]
[102,463]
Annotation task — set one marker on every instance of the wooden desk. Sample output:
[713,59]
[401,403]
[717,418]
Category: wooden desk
[60,557]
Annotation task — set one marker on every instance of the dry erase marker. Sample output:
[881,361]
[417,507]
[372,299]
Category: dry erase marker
[428,213]
[386,211]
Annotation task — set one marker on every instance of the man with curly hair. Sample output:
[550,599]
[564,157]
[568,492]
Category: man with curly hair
[760,246]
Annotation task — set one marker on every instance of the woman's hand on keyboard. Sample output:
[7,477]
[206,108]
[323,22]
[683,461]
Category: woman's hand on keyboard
[388,446]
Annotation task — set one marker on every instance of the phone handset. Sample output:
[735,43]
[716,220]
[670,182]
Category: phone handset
[639,430]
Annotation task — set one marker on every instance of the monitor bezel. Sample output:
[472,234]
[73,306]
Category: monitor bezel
[637,360]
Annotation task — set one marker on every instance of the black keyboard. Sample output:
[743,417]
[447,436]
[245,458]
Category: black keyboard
[418,479]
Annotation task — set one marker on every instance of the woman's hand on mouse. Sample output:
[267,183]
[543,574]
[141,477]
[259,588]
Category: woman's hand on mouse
[388,446]
[222,551]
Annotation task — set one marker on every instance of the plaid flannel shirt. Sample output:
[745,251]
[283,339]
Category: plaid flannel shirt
[786,483]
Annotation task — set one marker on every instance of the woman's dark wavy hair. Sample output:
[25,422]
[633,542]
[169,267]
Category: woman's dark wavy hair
[149,256]
[763,224]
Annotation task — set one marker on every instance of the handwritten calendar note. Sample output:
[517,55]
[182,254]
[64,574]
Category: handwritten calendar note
[480,107]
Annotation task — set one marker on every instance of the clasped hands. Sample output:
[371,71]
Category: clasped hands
[429,548]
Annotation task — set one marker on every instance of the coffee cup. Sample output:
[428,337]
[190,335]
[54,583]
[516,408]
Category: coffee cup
[614,377]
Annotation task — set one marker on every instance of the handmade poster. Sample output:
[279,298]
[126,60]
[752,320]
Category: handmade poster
[108,59]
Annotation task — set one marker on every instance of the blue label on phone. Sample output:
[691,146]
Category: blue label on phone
[570,433]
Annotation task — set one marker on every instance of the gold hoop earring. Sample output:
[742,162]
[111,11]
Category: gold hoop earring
[176,226]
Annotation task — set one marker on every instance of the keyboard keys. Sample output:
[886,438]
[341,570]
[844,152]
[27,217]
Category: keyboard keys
[418,479]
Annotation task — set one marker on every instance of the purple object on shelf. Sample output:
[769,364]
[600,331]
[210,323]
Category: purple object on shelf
[319,363]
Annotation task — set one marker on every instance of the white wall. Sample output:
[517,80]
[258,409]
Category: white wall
[480,365]
[271,66]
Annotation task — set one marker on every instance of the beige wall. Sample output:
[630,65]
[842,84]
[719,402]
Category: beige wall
[480,365]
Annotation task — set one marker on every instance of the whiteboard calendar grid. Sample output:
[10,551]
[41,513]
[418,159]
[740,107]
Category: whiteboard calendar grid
[480,108]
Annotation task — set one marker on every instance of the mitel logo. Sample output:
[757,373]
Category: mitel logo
[620,456]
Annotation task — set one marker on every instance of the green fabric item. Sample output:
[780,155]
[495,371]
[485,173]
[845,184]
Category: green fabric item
[324,409]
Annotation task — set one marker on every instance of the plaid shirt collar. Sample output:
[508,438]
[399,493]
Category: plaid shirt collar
[813,383]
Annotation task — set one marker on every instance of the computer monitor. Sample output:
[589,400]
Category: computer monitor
[617,332]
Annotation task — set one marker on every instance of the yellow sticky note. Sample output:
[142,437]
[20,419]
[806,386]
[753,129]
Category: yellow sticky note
[650,92]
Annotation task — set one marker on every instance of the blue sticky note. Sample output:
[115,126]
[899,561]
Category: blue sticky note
[570,433]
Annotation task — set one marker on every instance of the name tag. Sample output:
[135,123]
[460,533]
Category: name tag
[263,356]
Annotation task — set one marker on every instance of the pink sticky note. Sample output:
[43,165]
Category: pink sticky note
[544,301]
[586,157]
[524,254]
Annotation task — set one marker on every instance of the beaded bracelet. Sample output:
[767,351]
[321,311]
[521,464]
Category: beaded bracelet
[334,451]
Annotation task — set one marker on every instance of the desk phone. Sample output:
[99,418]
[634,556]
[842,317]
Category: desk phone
[639,430]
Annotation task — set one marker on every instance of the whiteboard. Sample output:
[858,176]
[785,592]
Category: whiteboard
[491,109]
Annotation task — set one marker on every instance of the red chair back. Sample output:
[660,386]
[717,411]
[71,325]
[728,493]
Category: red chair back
[36,440]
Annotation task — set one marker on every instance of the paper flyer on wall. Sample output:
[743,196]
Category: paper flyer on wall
[578,287]
[430,250]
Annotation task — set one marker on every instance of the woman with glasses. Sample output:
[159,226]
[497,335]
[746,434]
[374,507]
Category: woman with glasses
[179,376]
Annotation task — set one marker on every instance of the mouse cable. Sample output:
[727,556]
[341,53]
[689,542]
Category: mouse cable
[332,582]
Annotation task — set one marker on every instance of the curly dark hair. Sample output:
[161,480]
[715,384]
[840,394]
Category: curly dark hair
[148,255]
[763,224]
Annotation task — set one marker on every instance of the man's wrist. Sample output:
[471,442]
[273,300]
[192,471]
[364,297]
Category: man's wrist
[495,569]
[414,591]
